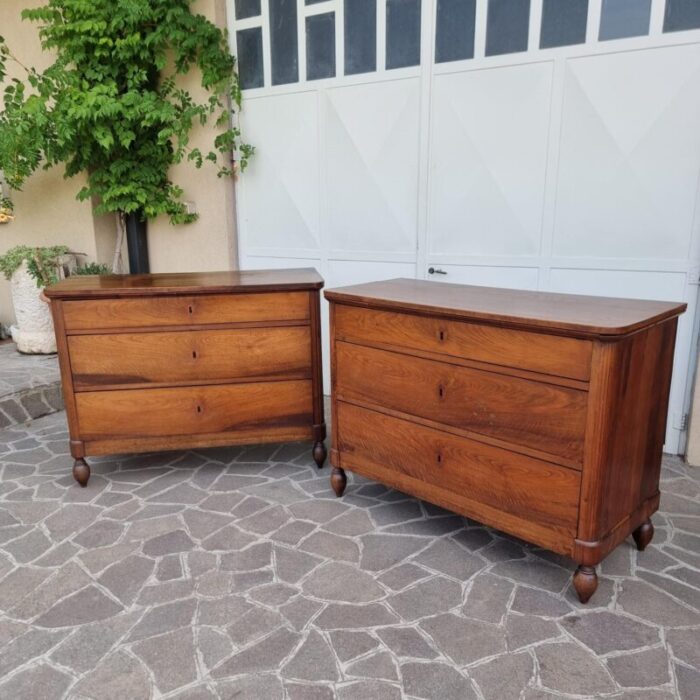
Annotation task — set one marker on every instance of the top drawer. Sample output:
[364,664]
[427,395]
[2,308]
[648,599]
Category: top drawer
[140,312]
[538,352]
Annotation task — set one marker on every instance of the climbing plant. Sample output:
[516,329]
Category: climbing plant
[111,105]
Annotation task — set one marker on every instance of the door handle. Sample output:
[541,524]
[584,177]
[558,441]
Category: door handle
[436,271]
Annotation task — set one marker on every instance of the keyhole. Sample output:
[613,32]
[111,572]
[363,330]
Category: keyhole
[441,391]
[194,354]
[442,335]
[199,409]
[439,458]
[189,308]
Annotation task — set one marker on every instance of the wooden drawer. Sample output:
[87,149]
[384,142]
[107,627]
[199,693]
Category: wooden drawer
[500,488]
[536,415]
[91,314]
[205,356]
[193,410]
[538,352]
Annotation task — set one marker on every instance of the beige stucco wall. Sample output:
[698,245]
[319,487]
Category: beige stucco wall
[47,212]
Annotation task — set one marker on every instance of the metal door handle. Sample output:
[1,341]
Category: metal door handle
[436,271]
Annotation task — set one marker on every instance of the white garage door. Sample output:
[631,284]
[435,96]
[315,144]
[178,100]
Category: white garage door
[533,144]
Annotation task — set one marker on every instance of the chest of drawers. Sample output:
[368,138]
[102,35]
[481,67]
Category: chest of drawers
[173,361]
[542,415]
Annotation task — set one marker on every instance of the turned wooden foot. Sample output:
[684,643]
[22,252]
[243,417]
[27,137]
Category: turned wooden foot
[81,472]
[585,582]
[338,481]
[643,534]
[319,454]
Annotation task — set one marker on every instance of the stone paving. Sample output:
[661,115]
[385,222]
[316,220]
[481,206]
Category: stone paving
[29,386]
[235,573]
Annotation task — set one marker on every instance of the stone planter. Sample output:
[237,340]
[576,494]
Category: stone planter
[33,332]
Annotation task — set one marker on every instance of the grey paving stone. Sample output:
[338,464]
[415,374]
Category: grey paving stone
[313,661]
[116,677]
[464,641]
[347,616]
[169,568]
[175,668]
[567,668]
[227,539]
[403,575]
[643,668]
[430,597]
[406,642]
[38,681]
[164,618]
[87,605]
[28,547]
[169,543]
[363,690]
[291,565]
[125,578]
[293,532]
[488,598]
[435,681]
[325,544]
[252,687]
[380,552]
[432,527]
[523,630]
[274,594]
[304,691]
[222,611]
[505,677]
[336,581]
[25,647]
[449,558]
[213,646]
[643,600]
[687,681]
[392,513]
[257,556]
[532,601]
[318,511]
[533,573]
[167,592]
[349,645]
[255,624]
[378,665]
[685,645]
[299,611]
[265,655]
[606,631]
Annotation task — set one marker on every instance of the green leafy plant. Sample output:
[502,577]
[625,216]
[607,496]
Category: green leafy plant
[110,105]
[91,269]
[43,263]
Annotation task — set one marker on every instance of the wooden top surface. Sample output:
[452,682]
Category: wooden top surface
[579,315]
[233,281]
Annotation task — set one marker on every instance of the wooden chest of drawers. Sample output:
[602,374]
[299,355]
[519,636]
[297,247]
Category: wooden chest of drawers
[171,361]
[539,414]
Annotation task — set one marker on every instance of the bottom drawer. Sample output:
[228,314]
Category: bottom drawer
[527,497]
[194,410]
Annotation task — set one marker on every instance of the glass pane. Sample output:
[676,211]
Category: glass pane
[320,46]
[682,14]
[250,57]
[283,41]
[508,25]
[563,23]
[247,8]
[623,18]
[454,40]
[360,36]
[402,33]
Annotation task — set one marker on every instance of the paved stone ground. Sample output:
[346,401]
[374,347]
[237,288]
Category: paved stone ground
[29,386]
[235,573]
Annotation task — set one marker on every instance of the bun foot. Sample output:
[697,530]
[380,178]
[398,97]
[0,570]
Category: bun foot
[585,582]
[81,472]
[338,481]
[319,453]
[643,534]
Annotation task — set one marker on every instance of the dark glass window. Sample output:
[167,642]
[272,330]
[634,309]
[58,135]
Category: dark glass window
[454,40]
[508,26]
[563,23]
[682,14]
[320,46]
[247,8]
[402,33]
[250,57]
[623,18]
[360,36]
[283,42]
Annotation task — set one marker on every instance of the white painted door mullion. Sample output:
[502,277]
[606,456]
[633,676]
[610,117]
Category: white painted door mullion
[593,23]
[480,22]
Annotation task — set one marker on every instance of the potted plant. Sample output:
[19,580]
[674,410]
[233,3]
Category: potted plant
[29,271]
[112,106]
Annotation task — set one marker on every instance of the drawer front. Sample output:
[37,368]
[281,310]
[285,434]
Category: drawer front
[538,352]
[89,314]
[193,410]
[523,412]
[431,464]
[188,356]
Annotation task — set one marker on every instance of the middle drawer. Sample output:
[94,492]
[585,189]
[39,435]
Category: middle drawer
[128,359]
[540,416]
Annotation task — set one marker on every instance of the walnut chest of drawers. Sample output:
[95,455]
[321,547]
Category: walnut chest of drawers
[539,414]
[172,361]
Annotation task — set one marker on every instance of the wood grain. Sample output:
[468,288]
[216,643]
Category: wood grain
[188,311]
[581,316]
[549,354]
[189,356]
[545,417]
[435,464]
[194,410]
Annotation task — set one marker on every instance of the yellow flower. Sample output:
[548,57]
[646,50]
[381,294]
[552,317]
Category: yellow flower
[6,215]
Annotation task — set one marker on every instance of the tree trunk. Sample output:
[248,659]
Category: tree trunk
[137,243]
